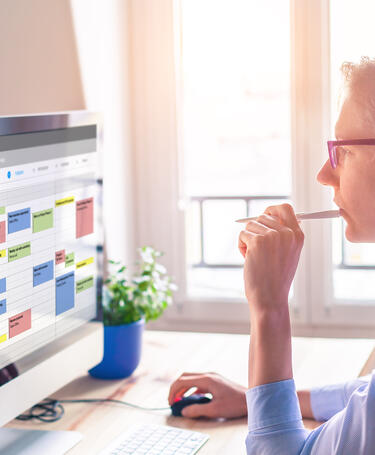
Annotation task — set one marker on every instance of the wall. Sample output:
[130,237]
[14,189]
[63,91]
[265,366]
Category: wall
[38,58]
[102,32]
[55,55]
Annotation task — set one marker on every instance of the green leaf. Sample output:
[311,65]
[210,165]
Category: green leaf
[147,294]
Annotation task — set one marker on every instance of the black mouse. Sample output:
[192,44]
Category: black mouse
[181,403]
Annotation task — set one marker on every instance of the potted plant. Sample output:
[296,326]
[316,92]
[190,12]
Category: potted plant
[127,306]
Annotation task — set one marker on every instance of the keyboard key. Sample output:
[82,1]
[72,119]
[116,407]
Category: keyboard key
[156,440]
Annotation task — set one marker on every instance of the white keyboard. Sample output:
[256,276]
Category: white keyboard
[156,440]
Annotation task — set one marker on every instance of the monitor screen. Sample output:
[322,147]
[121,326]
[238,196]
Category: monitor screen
[49,268]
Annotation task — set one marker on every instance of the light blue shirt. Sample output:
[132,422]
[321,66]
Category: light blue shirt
[276,428]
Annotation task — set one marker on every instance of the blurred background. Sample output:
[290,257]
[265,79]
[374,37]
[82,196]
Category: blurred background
[212,110]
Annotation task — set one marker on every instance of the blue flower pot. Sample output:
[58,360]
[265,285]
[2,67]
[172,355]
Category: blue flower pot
[122,351]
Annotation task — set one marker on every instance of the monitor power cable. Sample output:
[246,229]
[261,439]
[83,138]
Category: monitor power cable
[52,410]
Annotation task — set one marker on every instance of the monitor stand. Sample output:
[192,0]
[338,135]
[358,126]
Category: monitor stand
[30,442]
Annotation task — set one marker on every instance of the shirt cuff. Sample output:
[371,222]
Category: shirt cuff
[272,404]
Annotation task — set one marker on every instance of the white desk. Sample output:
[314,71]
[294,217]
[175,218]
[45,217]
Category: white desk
[165,356]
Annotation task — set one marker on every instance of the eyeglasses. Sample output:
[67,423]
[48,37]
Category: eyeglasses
[332,145]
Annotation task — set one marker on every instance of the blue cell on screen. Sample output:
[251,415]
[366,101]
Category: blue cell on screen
[8,174]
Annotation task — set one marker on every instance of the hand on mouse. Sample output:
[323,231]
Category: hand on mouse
[228,398]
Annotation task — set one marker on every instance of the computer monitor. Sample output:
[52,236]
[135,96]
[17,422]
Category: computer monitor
[50,254]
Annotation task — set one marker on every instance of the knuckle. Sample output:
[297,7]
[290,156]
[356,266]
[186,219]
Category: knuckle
[287,206]
[245,235]
[300,236]
[263,217]
[250,224]
[273,235]
[258,241]
[288,233]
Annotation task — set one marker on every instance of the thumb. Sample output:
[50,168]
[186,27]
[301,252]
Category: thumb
[197,410]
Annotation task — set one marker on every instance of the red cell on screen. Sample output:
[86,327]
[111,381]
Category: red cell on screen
[2,231]
[84,217]
[59,257]
[19,323]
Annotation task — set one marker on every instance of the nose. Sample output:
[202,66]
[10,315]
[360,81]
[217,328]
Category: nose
[328,176]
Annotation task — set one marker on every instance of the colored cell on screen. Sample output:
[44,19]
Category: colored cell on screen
[2,231]
[3,285]
[42,220]
[59,257]
[84,284]
[64,293]
[87,261]
[19,323]
[3,306]
[18,251]
[66,200]
[42,273]
[84,217]
[69,259]
[18,220]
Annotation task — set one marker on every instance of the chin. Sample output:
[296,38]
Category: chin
[356,236]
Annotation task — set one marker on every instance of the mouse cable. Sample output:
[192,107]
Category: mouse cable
[52,410]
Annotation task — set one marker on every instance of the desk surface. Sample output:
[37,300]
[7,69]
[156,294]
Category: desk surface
[168,354]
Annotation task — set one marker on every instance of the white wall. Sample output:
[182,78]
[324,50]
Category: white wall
[45,47]
[39,70]
[103,42]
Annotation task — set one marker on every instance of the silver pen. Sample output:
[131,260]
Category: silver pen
[304,216]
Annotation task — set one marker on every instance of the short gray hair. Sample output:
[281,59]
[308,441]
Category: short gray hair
[359,78]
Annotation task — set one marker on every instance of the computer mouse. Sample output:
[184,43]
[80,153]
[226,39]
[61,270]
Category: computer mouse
[181,403]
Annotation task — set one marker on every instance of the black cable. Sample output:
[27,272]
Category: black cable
[51,410]
[48,410]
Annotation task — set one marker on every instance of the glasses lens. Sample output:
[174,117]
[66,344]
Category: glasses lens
[332,155]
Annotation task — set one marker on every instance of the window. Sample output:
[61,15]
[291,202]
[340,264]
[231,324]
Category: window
[255,84]
[236,130]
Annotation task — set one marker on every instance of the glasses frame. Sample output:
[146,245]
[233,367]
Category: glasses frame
[333,144]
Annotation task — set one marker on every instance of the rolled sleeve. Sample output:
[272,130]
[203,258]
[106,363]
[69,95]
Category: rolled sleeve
[272,404]
[274,419]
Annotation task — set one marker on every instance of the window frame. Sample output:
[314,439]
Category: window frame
[155,50]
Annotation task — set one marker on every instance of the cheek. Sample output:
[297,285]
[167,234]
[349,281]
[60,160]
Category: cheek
[357,192]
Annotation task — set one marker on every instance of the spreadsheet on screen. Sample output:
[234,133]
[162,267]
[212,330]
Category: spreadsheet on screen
[48,236]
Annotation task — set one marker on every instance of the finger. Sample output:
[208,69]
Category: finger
[257,227]
[244,240]
[189,373]
[183,384]
[269,221]
[199,410]
[200,391]
[286,214]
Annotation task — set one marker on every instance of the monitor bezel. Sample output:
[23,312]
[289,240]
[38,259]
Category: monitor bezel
[17,124]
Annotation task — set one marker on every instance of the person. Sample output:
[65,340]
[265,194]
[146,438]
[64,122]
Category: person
[271,247]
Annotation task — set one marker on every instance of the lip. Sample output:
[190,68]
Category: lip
[338,205]
[343,213]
